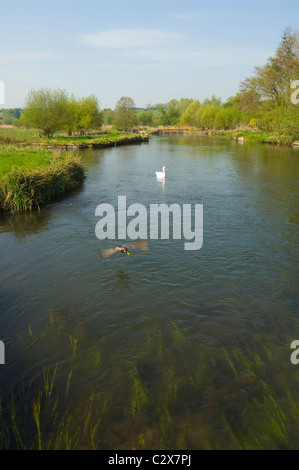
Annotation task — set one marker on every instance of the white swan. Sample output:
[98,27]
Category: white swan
[161,174]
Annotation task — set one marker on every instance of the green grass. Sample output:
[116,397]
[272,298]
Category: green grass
[26,137]
[264,137]
[250,136]
[32,175]
[32,178]
[32,136]
[20,159]
[258,137]
[14,135]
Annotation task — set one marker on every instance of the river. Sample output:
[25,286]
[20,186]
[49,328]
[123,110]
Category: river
[165,348]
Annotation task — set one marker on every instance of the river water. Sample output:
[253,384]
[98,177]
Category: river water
[167,348]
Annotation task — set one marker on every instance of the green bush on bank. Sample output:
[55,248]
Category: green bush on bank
[263,137]
[255,137]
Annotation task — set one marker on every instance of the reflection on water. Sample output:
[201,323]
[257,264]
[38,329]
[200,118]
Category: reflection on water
[23,225]
[164,349]
[161,181]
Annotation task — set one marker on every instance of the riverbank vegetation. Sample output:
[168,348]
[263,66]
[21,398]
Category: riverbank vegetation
[28,137]
[256,136]
[53,110]
[32,178]
[35,169]
[266,109]
[266,103]
[168,395]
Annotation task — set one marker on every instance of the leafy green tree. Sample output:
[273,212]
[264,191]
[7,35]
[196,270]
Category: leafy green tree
[183,104]
[108,116]
[47,110]
[84,114]
[161,109]
[290,121]
[7,117]
[125,115]
[270,84]
[206,116]
[227,118]
[233,101]
[146,118]
[188,118]
[71,125]
[266,96]
[213,101]
[88,114]
[172,114]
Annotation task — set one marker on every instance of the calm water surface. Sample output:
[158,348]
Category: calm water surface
[166,348]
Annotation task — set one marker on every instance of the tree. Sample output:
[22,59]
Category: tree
[227,118]
[183,104]
[47,110]
[88,114]
[146,118]
[270,84]
[10,115]
[266,96]
[205,116]
[213,101]
[172,114]
[108,116]
[188,118]
[125,116]
[71,125]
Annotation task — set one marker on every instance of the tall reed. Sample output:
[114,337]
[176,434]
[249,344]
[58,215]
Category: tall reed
[27,190]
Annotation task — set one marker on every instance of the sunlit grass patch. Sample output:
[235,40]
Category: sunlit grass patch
[37,179]
[16,159]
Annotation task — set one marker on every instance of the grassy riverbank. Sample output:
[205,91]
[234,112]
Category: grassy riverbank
[249,136]
[31,174]
[32,178]
[257,137]
[14,158]
[25,137]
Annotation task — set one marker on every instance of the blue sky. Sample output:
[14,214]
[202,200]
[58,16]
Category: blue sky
[151,51]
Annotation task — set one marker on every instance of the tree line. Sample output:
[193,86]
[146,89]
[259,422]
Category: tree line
[9,116]
[264,101]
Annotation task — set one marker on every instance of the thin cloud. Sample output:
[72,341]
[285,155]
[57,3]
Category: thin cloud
[213,56]
[129,38]
[154,49]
